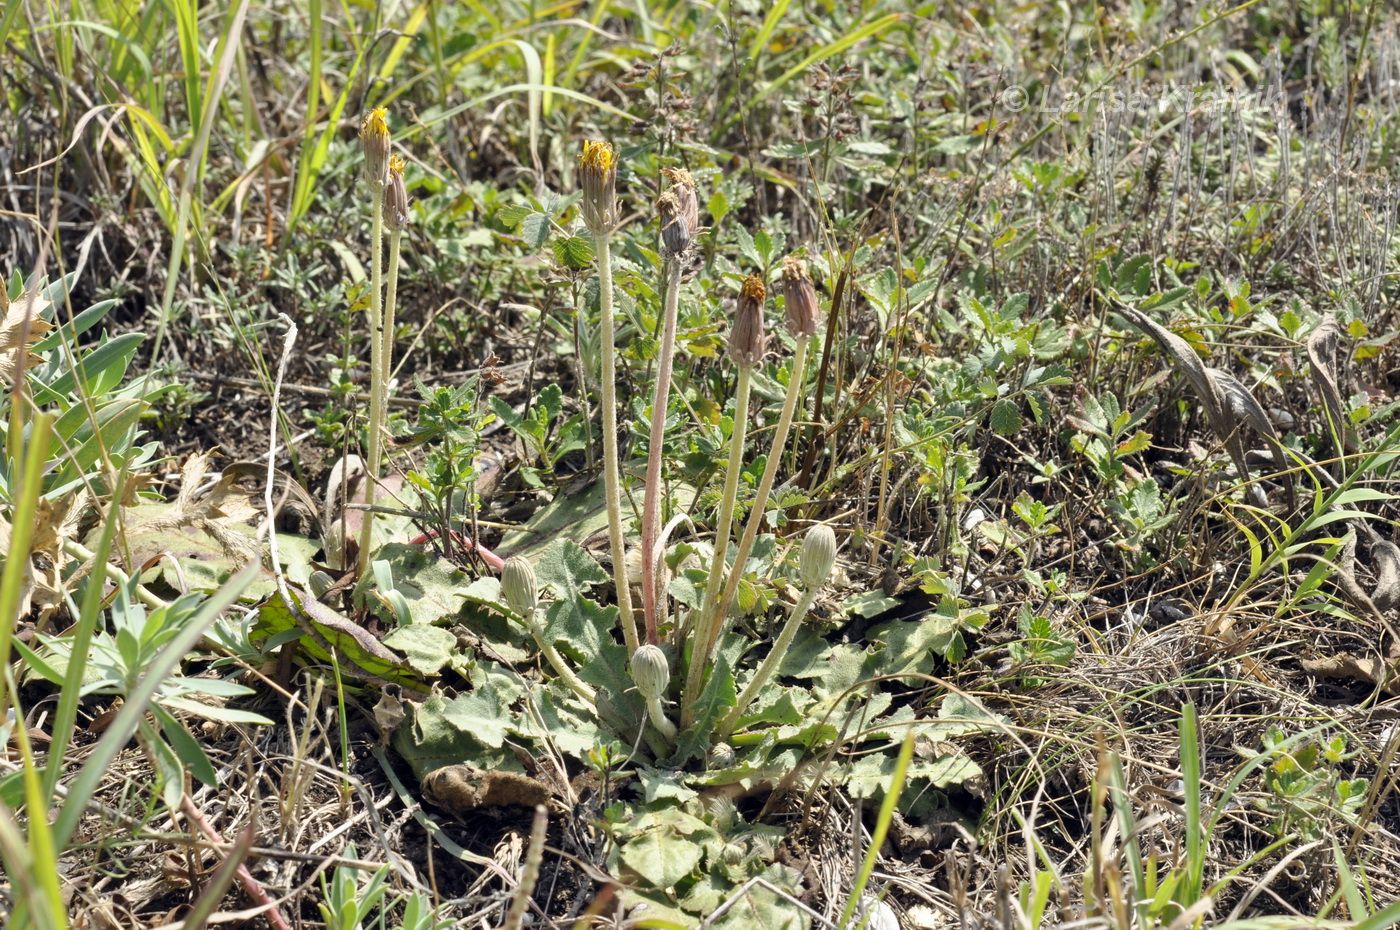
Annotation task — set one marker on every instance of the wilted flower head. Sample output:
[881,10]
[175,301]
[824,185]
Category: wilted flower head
[800,297]
[374,138]
[597,164]
[679,209]
[747,341]
[395,196]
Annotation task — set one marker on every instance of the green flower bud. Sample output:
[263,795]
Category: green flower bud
[818,555]
[651,671]
[720,756]
[519,587]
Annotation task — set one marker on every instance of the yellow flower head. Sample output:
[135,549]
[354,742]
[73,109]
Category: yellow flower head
[598,177]
[597,156]
[374,139]
[396,166]
[376,123]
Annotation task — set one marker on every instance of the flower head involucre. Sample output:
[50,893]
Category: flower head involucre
[374,139]
[679,210]
[597,165]
[800,298]
[818,555]
[518,586]
[396,196]
[651,671]
[747,340]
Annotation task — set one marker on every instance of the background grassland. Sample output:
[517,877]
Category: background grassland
[1104,416]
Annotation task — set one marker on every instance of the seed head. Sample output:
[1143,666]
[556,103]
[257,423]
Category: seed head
[651,671]
[679,209]
[519,587]
[747,340]
[374,138]
[818,556]
[396,196]
[597,165]
[800,298]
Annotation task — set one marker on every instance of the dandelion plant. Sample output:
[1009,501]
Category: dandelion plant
[679,213]
[598,174]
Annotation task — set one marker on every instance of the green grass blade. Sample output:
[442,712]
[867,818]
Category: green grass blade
[137,701]
[882,827]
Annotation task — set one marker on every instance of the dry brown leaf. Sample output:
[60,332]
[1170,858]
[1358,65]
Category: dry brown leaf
[1348,667]
[20,329]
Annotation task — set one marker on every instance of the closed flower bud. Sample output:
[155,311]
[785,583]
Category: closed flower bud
[747,341]
[720,756]
[518,586]
[651,671]
[395,196]
[818,555]
[800,297]
[679,210]
[597,167]
[374,138]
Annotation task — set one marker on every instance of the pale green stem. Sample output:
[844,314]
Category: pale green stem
[651,501]
[612,481]
[725,524]
[663,724]
[719,611]
[553,657]
[770,664]
[79,551]
[376,375]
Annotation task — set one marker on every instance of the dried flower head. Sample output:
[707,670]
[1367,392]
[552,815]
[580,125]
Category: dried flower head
[800,297]
[374,138]
[747,341]
[597,164]
[679,209]
[396,196]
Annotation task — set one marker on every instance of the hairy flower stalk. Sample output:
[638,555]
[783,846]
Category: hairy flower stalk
[520,590]
[375,142]
[652,673]
[678,210]
[598,177]
[817,558]
[747,342]
[396,221]
[800,297]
